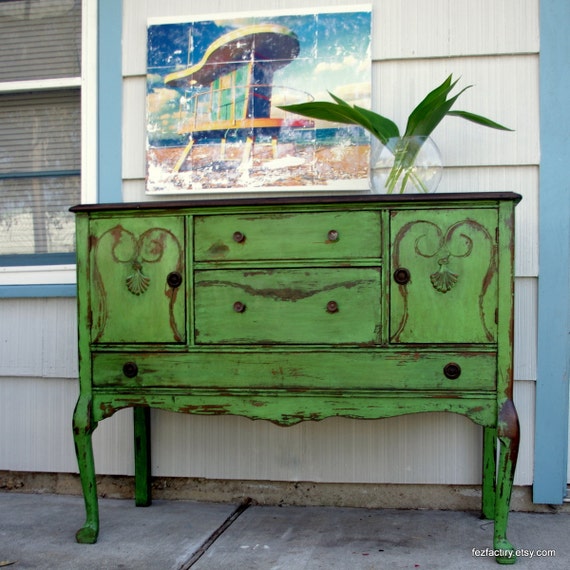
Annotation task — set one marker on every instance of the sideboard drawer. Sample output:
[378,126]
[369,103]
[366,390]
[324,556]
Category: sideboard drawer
[299,370]
[288,306]
[328,235]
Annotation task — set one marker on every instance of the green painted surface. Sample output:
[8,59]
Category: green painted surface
[299,310]
[130,300]
[288,236]
[288,306]
[322,369]
[452,293]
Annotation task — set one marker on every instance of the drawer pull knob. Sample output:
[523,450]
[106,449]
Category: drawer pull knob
[452,371]
[332,235]
[174,279]
[239,307]
[239,237]
[130,369]
[402,276]
[332,307]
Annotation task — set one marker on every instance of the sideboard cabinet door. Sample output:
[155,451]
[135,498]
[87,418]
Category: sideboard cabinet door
[138,280]
[443,276]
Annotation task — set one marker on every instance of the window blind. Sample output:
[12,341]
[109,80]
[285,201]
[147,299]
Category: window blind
[40,138]
[39,171]
[40,39]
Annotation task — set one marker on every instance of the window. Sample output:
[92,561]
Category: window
[40,130]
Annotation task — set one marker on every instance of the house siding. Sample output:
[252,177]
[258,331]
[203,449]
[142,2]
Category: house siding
[416,44]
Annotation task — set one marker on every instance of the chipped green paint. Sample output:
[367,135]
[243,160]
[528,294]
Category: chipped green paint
[292,310]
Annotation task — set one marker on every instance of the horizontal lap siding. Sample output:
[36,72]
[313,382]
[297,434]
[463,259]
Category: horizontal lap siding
[38,338]
[493,45]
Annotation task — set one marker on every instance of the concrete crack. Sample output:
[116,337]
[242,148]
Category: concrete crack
[241,508]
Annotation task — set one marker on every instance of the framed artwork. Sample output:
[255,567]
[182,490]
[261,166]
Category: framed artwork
[214,87]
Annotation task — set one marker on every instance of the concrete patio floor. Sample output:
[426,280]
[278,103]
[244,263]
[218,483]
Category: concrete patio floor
[37,531]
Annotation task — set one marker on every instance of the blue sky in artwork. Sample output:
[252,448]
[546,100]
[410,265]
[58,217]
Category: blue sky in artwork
[334,50]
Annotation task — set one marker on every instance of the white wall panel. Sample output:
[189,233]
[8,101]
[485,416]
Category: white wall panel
[413,29]
[35,423]
[38,337]
[134,127]
[36,428]
[526,321]
[441,28]
[505,89]
[135,13]
[113,445]
[524,398]
[428,448]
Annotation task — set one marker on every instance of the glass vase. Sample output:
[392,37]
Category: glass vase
[406,165]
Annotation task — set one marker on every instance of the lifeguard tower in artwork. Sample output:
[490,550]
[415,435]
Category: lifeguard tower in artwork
[230,89]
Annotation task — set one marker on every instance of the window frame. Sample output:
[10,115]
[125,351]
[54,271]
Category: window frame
[53,275]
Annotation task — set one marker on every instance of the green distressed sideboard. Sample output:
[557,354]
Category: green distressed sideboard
[293,309]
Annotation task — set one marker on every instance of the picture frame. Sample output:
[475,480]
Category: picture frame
[214,87]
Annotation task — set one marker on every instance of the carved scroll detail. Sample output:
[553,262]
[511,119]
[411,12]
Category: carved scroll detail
[148,248]
[445,244]
[126,248]
[444,279]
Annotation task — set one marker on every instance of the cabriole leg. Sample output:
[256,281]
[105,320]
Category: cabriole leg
[508,433]
[83,427]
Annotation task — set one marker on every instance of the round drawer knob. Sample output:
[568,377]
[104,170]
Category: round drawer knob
[239,307]
[402,276]
[332,235]
[174,279]
[332,307]
[130,369]
[238,237]
[452,371]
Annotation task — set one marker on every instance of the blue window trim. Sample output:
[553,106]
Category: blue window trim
[26,260]
[109,101]
[109,145]
[25,291]
[551,427]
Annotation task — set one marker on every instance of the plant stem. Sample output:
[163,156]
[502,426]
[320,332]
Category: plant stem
[405,152]
[409,175]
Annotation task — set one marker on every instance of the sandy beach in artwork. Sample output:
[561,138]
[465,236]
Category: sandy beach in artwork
[290,166]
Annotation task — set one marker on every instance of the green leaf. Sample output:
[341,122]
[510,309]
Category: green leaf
[421,123]
[429,113]
[324,110]
[341,112]
[381,127]
[429,103]
[340,101]
[433,116]
[479,120]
